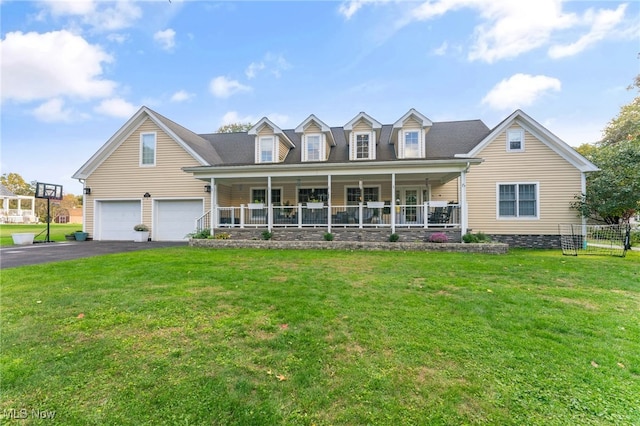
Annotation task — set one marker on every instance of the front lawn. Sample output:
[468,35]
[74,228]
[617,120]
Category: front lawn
[266,337]
[57,231]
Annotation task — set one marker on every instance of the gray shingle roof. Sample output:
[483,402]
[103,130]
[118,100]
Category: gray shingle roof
[444,140]
[4,192]
[201,146]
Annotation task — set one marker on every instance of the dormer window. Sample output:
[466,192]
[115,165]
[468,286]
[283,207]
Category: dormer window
[363,146]
[362,133]
[267,149]
[313,147]
[409,135]
[412,144]
[515,141]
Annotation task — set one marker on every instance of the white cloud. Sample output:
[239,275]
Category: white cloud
[117,38]
[59,63]
[602,23]
[253,68]
[181,96]
[53,111]
[520,90]
[510,28]
[279,120]
[349,8]
[101,15]
[222,87]
[116,107]
[441,50]
[273,63]
[63,8]
[233,117]
[166,38]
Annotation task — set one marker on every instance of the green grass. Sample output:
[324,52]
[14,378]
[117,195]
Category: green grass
[249,337]
[56,231]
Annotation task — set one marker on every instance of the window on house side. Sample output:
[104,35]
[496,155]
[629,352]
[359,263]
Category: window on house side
[515,140]
[266,149]
[362,146]
[313,147]
[518,200]
[148,149]
[411,147]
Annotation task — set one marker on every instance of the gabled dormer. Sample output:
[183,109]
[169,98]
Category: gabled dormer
[271,144]
[363,133]
[316,139]
[409,135]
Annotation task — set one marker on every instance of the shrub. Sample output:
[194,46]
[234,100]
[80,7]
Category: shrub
[222,236]
[394,237]
[480,237]
[266,235]
[141,227]
[200,235]
[328,236]
[469,238]
[438,237]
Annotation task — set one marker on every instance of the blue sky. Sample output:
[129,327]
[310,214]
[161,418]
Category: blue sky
[73,72]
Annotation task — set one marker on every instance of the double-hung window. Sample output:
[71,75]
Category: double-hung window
[515,141]
[411,144]
[362,146]
[518,200]
[266,149]
[148,149]
[313,149]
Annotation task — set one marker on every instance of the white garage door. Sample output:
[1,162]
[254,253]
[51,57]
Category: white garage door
[176,218]
[115,219]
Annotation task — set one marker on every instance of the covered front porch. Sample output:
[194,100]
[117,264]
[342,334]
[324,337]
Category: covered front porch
[409,197]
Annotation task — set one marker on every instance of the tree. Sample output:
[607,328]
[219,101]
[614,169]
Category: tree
[16,184]
[235,127]
[613,193]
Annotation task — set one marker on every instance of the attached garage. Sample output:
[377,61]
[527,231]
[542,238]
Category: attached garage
[174,219]
[115,220]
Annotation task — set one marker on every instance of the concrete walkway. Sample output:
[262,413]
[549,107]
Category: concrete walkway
[13,256]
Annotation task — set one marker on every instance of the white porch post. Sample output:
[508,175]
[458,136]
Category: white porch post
[269,206]
[214,205]
[464,220]
[329,203]
[393,203]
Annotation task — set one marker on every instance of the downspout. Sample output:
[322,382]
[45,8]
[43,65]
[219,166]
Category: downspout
[464,214]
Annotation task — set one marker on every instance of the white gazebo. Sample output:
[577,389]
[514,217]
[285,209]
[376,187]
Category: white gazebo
[18,215]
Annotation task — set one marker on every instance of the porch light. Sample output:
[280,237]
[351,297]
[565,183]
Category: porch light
[207,188]
[146,195]
[87,190]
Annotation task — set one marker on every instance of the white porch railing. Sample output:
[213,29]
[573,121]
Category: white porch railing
[363,215]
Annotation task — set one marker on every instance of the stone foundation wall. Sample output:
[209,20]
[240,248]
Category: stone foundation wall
[491,248]
[341,234]
[529,241]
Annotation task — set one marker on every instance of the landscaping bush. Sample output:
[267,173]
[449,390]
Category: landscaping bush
[222,236]
[328,236]
[394,237]
[203,234]
[479,237]
[438,237]
[266,235]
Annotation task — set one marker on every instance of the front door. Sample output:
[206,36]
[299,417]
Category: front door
[409,202]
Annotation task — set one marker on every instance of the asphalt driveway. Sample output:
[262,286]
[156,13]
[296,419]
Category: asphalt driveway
[12,256]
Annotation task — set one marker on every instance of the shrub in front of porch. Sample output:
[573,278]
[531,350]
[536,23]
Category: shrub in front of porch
[438,237]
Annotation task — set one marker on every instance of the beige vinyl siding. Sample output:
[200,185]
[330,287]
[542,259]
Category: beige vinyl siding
[120,176]
[558,183]
[313,128]
[283,150]
[446,192]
